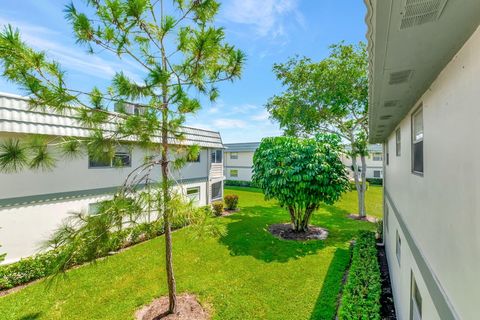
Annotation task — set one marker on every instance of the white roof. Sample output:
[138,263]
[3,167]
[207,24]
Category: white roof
[17,117]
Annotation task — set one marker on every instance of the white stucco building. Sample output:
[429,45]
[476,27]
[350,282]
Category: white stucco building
[33,203]
[374,162]
[424,106]
[239,160]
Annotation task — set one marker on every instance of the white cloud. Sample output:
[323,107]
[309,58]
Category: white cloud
[75,58]
[229,123]
[244,108]
[262,116]
[267,17]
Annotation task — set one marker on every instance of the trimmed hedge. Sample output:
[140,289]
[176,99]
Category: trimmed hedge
[375,181]
[354,188]
[239,183]
[361,293]
[42,265]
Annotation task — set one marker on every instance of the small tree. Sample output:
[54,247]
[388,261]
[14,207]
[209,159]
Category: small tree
[328,96]
[301,174]
[181,56]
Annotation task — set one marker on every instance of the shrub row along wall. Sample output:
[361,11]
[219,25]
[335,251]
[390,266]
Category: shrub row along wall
[361,293]
[239,183]
[43,264]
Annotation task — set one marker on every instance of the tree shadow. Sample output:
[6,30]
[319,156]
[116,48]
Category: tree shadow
[31,316]
[248,235]
[328,298]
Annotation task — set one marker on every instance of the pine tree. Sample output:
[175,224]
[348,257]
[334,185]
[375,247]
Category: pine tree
[182,54]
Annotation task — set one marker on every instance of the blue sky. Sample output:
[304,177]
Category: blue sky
[268,31]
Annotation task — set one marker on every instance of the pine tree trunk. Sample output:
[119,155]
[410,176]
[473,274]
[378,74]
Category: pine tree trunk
[172,298]
[363,187]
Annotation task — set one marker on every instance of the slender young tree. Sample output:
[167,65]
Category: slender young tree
[328,96]
[181,54]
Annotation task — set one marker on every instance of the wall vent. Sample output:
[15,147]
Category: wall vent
[391,103]
[386,117]
[399,77]
[418,12]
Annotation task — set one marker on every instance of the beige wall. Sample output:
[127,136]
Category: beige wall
[441,209]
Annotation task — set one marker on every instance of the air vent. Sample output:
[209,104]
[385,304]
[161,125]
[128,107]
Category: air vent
[399,77]
[385,117]
[391,103]
[418,12]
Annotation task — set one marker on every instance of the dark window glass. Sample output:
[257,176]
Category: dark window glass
[417,141]
[376,174]
[398,145]
[217,190]
[217,156]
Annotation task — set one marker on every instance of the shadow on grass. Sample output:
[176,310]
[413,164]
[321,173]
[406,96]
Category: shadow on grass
[248,235]
[326,304]
[31,316]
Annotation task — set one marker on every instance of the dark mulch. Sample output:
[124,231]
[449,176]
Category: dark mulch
[387,310]
[188,308]
[285,231]
[367,218]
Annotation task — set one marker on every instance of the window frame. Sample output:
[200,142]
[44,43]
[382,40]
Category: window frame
[416,300]
[214,156]
[232,157]
[385,216]
[379,174]
[415,141]
[398,142]
[398,248]
[377,156]
[220,190]
[233,176]
[111,165]
[196,194]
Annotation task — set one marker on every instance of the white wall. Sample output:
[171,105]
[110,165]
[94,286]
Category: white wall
[24,228]
[243,164]
[442,208]
[74,175]
[372,166]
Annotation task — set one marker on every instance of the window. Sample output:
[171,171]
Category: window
[234,173]
[217,190]
[417,141]
[217,156]
[93,208]
[415,301]
[398,248]
[385,216]
[122,158]
[398,143]
[197,159]
[377,173]
[233,155]
[377,157]
[193,194]
[386,153]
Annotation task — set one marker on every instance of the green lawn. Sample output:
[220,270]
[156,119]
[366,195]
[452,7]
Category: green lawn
[246,274]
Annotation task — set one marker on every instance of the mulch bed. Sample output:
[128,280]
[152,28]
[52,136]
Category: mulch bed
[188,308]
[367,218]
[227,213]
[285,231]
[387,309]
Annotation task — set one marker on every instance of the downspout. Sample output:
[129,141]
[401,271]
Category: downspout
[208,176]
[385,151]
